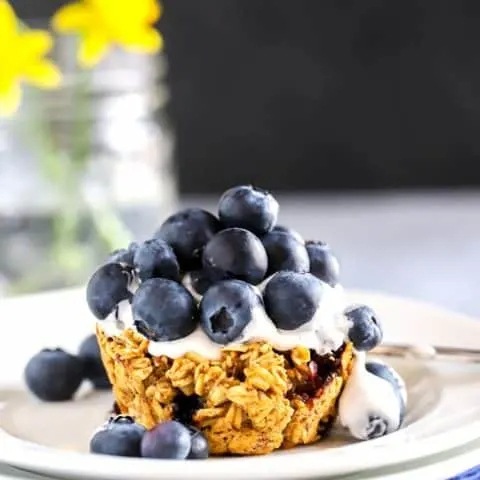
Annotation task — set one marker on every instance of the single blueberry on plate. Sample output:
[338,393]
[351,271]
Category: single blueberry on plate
[187,232]
[54,375]
[365,331]
[89,354]
[323,264]
[199,449]
[121,437]
[164,310]
[235,253]
[285,252]
[290,231]
[248,207]
[169,439]
[292,299]
[226,309]
[386,372]
[107,287]
[155,259]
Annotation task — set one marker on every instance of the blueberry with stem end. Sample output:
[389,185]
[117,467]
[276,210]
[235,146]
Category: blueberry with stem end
[226,309]
[54,375]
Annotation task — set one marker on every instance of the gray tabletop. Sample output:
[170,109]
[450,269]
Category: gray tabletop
[421,245]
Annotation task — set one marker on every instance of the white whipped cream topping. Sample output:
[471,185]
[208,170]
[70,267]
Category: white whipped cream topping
[367,395]
[120,319]
[187,283]
[324,333]
[197,342]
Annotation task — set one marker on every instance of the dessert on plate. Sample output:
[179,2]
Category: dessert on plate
[238,328]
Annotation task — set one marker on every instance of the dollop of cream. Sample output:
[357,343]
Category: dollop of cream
[366,396]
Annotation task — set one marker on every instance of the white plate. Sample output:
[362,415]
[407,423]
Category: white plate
[52,438]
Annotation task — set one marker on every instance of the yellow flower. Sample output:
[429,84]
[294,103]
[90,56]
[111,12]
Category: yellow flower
[22,59]
[104,23]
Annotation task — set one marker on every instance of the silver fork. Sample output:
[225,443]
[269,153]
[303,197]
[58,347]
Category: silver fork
[428,352]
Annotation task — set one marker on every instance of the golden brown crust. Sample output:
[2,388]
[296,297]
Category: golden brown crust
[254,399]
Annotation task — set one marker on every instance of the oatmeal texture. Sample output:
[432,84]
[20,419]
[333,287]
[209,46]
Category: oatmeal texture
[252,401]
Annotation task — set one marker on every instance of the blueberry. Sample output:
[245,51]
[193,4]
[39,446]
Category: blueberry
[290,231]
[169,440]
[376,427]
[124,255]
[200,281]
[164,310]
[107,287]
[121,437]
[89,354]
[365,331]
[323,264]
[54,375]
[226,309]
[199,449]
[188,231]
[387,373]
[248,207]
[285,252]
[155,259]
[235,253]
[291,299]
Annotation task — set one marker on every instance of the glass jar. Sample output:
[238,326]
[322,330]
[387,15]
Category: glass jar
[84,169]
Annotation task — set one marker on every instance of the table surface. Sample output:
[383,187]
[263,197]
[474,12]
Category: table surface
[418,245]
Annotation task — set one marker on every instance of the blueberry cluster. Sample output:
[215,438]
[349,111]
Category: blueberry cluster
[122,436]
[225,258]
[55,375]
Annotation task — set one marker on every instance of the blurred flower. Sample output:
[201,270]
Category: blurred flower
[22,54]
[104,23]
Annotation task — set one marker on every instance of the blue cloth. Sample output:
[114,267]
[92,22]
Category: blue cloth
[472,474]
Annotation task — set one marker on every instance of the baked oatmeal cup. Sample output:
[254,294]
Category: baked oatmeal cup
[251,401]
[237,327]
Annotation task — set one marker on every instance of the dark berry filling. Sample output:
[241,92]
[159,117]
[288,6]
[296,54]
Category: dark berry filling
[322,369]
[115,410]
[185,407]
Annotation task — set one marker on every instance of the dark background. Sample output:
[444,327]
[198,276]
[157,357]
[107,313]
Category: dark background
[321,95]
